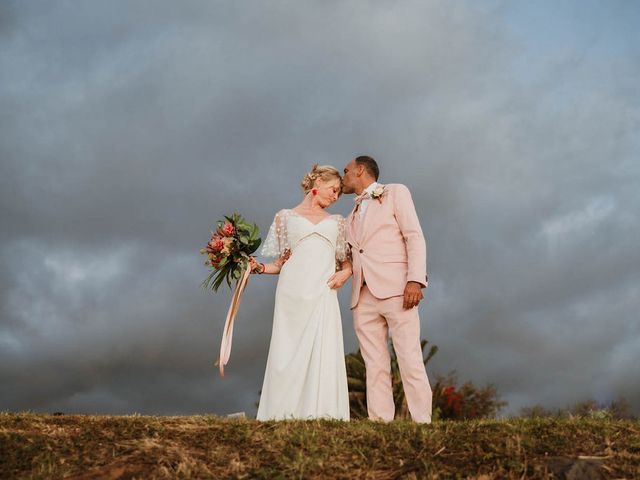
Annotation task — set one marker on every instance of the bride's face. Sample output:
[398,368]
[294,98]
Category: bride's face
[328,192]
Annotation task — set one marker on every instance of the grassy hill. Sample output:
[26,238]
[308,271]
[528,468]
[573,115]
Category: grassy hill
[86,447]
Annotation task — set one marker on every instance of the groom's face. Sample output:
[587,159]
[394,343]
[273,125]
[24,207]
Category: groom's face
[349,178]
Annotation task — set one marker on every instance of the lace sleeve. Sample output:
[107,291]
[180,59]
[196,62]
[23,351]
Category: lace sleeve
[277,240]
[342,247]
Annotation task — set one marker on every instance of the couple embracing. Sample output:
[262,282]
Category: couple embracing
[382,245]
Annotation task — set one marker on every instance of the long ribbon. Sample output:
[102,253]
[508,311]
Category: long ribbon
[227,335]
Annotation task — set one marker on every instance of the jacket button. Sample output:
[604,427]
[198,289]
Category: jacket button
[361,251]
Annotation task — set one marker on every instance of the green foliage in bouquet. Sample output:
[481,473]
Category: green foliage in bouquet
[229,249]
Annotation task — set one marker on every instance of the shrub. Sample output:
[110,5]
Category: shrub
[467,401]
[449,401]
[618,409]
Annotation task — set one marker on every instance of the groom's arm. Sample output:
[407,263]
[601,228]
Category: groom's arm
[407,218]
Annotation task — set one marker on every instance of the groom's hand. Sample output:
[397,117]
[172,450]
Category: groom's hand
[412,295]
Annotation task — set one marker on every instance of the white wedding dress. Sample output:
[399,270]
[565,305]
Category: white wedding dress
[305,376]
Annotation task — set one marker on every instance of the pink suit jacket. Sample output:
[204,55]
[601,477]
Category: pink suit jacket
[391,249]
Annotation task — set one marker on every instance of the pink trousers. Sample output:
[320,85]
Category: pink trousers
[373,320]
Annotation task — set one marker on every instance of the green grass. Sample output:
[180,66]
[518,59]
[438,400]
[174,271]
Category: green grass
[78,446]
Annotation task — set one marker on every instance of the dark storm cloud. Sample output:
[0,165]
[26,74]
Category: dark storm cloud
[128,128]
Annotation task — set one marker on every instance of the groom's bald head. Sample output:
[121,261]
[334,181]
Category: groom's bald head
[358,174]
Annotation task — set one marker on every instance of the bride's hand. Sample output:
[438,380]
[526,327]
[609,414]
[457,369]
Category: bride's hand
[283,258]
[338,279]
[255,266]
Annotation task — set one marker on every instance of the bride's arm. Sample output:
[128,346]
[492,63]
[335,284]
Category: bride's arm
[272,268]
[343,258]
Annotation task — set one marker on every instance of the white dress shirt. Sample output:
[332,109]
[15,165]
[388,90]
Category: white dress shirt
[365,201]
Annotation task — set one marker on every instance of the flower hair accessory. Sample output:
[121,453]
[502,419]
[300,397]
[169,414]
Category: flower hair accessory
[379,191]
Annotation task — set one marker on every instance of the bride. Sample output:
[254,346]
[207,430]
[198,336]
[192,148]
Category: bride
[305,376]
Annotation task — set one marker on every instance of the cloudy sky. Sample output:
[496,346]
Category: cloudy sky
[127,128]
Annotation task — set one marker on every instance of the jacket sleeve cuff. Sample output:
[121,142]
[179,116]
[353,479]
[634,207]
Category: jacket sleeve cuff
[424,281]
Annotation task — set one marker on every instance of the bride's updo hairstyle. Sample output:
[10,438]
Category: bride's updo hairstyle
[322,172]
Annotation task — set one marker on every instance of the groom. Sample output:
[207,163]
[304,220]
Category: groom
[389,272]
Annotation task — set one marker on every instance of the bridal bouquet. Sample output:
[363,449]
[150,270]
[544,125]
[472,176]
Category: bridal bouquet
[228,253]
[229,250]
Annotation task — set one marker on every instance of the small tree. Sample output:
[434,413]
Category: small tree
[357,383]
[449,401]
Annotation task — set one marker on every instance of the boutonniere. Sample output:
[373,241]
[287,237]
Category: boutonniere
[379,191]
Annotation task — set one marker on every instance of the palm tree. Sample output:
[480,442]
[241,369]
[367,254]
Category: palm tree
[356,378]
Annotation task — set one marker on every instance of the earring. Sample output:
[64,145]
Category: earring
[314,191]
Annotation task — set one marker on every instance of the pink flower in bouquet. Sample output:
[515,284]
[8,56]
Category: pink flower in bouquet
[227,243]
[215,261]
[228,230]
[216,244]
